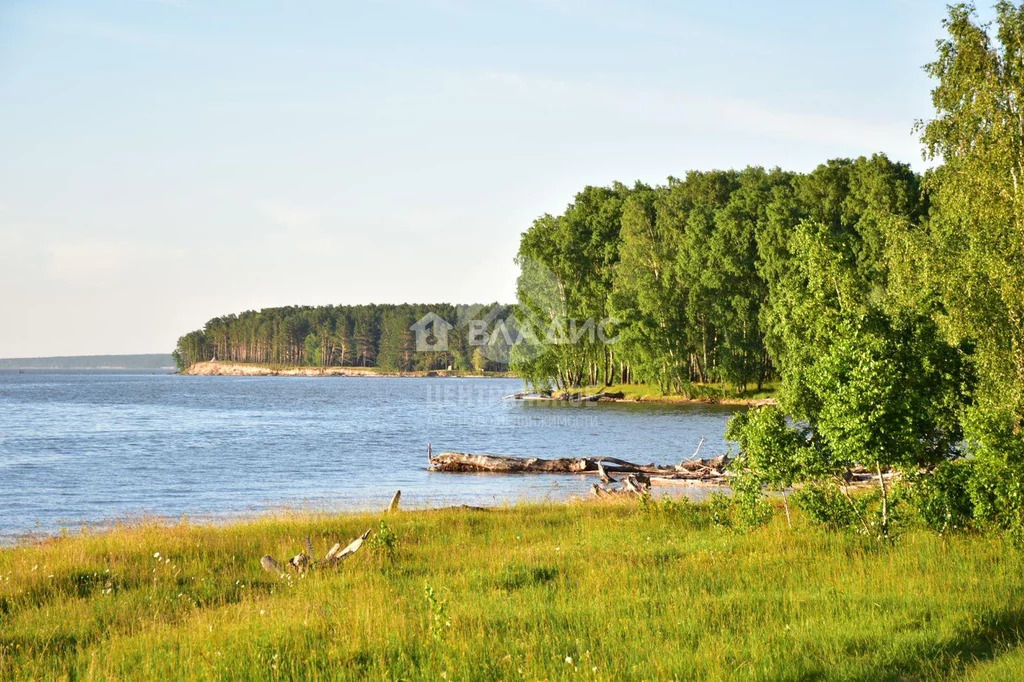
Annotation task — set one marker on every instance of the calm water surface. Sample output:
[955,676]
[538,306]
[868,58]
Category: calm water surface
[90,448]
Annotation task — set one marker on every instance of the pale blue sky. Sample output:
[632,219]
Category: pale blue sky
[165,162]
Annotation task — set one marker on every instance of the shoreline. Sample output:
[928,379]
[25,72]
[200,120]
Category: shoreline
[658,400]
[218,368]
[621,397]
[236,369]
[695,490]
[291,513]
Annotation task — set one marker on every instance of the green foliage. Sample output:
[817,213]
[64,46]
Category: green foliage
[826,505]
[751,508]
[681,507]
[364,336]
[971,258]
[396,346]
[721,508]
[313,355]
[941,498]
[567,268]
[438,620]
[647,294]
[968,257]
[480,362]
[996,485]
[704,273]
[383,544]
[891,392]
[772,453]
[878,389]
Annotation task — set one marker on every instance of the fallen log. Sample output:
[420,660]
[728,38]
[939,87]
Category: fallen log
[709,482]
[462,461]
[704,469]
[334,556]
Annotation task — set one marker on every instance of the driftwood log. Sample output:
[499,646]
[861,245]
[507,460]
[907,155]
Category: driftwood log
[708,470]
[303,561]
[463,461]
[634,484]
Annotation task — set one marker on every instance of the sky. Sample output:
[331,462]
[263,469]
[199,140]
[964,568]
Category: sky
[166,162]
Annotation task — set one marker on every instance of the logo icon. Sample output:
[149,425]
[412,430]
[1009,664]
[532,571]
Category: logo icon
[431,333]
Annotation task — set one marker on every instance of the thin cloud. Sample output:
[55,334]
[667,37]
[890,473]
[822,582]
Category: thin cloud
[712,113]
[105,31]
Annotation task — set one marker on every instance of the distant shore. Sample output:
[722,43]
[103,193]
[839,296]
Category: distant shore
[140,361]
[620,393]
[245,369]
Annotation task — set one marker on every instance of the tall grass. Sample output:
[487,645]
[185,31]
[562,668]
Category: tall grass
[599,591]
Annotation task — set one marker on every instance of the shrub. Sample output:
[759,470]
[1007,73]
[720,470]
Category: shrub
[751,507]
[438,621]
[384,544]
[996,485]
[941,498]
[720,506]
[773,455]
[827,506]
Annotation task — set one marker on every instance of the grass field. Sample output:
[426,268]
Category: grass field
[584,590]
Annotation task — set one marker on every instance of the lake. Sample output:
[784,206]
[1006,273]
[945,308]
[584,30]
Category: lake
[91,448]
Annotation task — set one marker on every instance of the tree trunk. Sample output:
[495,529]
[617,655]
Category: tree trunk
[885,501]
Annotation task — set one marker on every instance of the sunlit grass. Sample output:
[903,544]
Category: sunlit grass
[694,392]
[603,591]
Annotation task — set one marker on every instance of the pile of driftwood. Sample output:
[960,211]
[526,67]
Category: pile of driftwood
[638,478]
[633,484]
[304,561]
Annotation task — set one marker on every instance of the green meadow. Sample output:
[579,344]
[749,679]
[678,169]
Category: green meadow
[621,590]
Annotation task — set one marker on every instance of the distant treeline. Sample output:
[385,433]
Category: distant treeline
[142,361]
[356,336]
[698,272]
